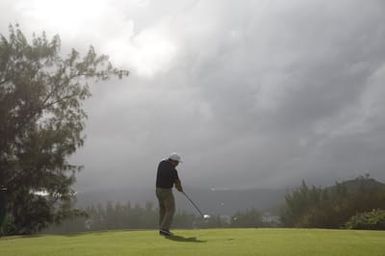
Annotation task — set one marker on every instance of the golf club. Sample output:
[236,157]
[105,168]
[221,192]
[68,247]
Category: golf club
[204,216]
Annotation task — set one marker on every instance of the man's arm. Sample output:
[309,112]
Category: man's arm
[178,185]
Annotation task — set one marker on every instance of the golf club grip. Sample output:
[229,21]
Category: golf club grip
[196,207]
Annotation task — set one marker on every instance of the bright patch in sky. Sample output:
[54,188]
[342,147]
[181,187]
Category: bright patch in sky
[101,24]
[66,16]
[148,52]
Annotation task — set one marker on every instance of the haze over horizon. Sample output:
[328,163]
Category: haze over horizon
[252,94]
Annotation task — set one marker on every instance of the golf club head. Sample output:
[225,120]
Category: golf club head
[196,207]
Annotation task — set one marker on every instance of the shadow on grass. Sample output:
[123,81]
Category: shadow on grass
[184,239]
[91,232]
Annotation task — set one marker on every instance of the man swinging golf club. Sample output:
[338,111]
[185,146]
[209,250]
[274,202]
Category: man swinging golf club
[166,178]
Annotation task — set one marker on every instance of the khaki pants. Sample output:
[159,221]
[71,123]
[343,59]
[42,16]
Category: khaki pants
[166,207]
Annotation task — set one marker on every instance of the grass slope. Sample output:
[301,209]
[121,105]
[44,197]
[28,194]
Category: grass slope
[201,242]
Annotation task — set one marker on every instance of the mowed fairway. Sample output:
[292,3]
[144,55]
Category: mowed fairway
[201,242]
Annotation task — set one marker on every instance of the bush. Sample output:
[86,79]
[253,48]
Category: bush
[374,220]
[8,227]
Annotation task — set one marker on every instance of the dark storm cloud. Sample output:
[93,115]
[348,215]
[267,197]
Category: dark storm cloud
[252,94]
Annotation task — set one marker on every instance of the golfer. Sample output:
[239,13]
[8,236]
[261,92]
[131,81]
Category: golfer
[166,178]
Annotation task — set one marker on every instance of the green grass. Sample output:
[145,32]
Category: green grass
[201,242]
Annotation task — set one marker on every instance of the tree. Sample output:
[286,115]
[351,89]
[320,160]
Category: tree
[298,203]
[41,123]
[374,219]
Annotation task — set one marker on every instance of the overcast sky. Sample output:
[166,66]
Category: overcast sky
[260,93]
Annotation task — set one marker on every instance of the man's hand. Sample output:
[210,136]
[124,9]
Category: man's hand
[178,185]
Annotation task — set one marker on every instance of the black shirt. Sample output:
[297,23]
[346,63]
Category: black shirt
[166,175]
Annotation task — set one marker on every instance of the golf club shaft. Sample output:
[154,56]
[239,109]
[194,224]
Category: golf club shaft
[196,207]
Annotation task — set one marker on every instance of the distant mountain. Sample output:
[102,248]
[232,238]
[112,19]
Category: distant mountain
[229,202]
[367,182]
[210,201]
[358,183]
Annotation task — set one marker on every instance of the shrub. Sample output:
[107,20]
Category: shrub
[374,220]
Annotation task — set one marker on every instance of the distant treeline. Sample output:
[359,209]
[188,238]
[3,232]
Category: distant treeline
[358,203]
[126,216]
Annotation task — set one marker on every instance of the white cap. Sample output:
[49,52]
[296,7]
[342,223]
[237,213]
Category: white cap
[175,156]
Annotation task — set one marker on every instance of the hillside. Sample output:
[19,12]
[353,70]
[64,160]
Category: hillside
[359,183]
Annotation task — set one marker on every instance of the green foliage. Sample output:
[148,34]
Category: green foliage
[41,120]
[298,204]
[374,220]
[331,207]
